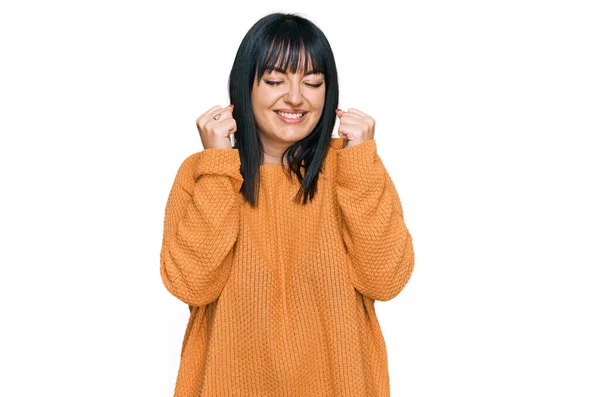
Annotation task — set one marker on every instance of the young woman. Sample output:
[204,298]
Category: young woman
[281,242]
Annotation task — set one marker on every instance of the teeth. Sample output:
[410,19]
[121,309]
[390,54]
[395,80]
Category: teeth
[290,115]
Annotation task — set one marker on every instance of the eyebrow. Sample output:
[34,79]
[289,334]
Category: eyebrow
[277,69]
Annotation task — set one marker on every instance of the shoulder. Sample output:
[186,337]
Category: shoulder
[185,172]
[188,163]
[190,160]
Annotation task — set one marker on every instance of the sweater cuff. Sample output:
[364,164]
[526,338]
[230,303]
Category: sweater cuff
[356,164]
[218,162]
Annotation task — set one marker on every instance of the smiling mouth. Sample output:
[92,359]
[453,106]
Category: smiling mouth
[291,116]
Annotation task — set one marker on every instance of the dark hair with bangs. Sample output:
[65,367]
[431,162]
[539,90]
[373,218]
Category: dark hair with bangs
[279,42]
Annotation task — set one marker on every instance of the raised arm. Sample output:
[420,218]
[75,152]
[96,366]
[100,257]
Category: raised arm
[376,237]
[201,226]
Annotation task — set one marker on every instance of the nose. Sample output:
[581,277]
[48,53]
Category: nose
[294,95]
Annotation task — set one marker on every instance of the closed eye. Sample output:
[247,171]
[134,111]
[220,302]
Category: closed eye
[279,82]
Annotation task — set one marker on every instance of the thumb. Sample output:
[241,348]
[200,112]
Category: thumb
[339,112]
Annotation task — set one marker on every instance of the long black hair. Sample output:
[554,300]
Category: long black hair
[281,40]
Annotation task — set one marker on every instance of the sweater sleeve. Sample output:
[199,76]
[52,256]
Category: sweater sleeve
[377,240]
[201,226]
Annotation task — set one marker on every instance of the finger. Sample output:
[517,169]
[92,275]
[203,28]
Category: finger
[207,117]
[356,111]
[221,110]
[346,129]
[226,127]
[203,118]
[351,119]
[225,112]
[352,115]
[348,114]
[209,111]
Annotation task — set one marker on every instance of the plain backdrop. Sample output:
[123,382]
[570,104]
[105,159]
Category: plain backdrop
[487,115]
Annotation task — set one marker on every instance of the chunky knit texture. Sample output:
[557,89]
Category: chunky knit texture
[281,296]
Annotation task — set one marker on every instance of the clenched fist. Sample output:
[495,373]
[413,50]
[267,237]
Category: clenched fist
[214,134]
[355,127]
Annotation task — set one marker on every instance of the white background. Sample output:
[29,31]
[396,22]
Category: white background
[486,117]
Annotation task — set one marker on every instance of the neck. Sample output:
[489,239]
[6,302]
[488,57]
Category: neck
[272,151]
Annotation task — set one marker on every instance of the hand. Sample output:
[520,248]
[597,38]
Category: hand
[214,134]
[355,126]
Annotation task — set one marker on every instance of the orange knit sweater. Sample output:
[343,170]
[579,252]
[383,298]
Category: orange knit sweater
[281,296]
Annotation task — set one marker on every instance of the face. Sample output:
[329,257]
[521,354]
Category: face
[278,91]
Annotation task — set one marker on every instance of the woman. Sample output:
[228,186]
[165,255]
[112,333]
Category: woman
[281,243]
